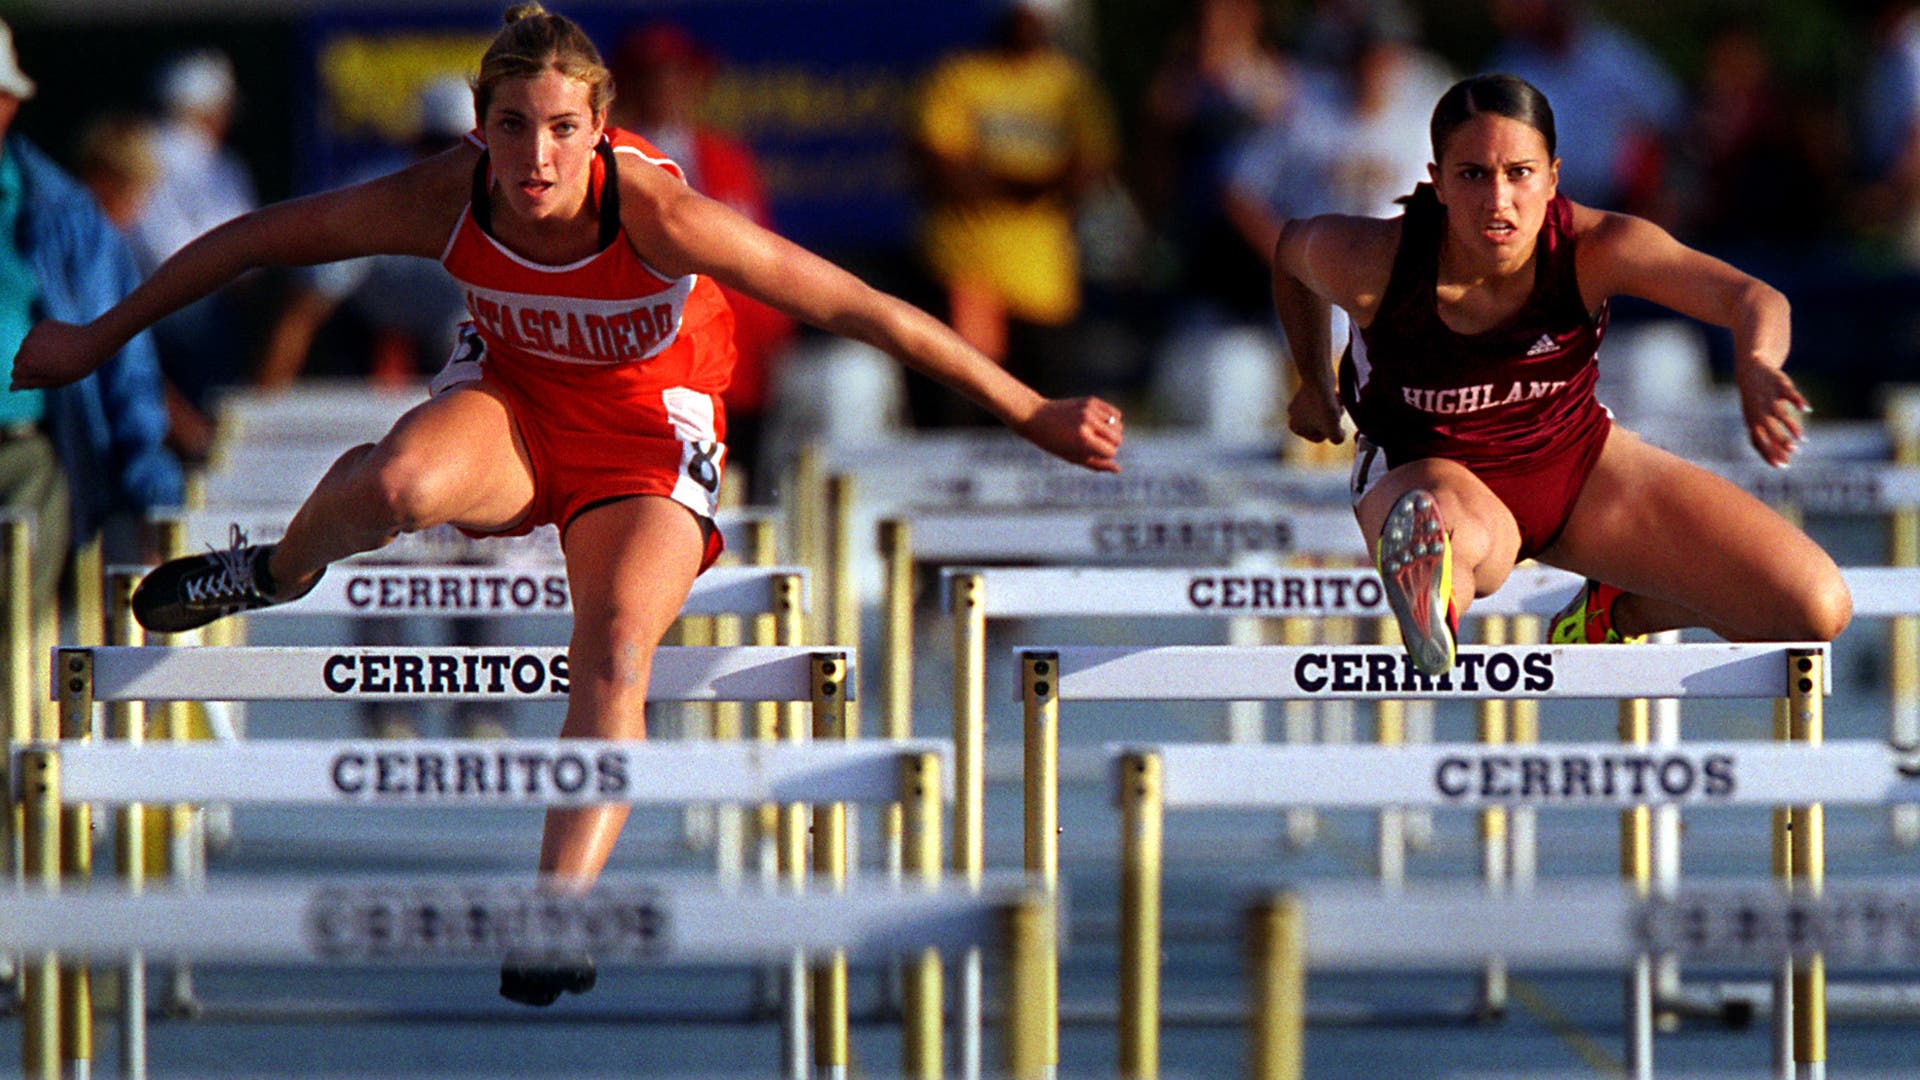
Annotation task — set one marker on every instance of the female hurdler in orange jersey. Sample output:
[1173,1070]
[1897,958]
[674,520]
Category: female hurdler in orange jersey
[584,394]
[1470,372]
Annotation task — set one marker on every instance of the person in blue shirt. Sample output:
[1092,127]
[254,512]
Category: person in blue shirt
[80,454]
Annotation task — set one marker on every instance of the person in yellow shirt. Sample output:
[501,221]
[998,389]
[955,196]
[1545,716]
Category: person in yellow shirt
[1010,138]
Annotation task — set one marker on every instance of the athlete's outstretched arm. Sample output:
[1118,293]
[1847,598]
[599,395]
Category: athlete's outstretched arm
[411,212]
[679,231]
[1620,254]
[1317,263]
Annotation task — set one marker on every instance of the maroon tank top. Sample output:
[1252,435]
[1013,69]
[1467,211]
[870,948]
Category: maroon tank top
[1501,401]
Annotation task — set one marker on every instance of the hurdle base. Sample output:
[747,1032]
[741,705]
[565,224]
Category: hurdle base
[1739,1004]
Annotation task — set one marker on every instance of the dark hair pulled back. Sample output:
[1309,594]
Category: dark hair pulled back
[1502,95]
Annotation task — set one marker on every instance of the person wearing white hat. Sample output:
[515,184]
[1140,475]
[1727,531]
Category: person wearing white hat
[60,258]
[202,182]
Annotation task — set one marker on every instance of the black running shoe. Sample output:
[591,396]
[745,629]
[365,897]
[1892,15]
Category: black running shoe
[540,981]
[188,593]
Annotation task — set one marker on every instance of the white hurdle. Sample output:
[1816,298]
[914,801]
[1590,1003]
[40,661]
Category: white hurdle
[1740,924]
[1218,673]
[56,838]
[652,922]
[452,773]
[662,919]
[354,589]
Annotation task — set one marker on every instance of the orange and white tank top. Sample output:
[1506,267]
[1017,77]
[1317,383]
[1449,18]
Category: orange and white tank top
[608,318]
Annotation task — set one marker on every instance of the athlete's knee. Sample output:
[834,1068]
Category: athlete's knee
[1823,608]
[405,487]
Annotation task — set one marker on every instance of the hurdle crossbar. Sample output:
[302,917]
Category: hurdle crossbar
[1556,775]
[509,772]
[1022,592]
[1117,536]
[447,673]
[1368,672]
[1604,924]
[664,920]
[465,590]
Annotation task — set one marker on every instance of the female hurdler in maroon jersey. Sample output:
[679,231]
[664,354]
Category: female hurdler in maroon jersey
[1470,377]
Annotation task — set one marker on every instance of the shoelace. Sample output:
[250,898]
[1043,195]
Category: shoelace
[236,567]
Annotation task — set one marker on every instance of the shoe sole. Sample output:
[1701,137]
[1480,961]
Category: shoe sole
[1416,566]
[152,619]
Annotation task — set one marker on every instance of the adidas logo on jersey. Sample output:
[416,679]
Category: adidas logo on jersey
[1542,347]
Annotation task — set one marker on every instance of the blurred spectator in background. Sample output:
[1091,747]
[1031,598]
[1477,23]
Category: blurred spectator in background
[115,160]
[1616,106]
[78,456]
[202,182]
[1352,143]
[1759,177]
[661,77]
[1890,129]
[1353,148]
[1011,138]
[1220,82]
[406,308]
[205,346]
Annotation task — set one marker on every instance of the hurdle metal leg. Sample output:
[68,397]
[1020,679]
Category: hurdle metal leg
[1808,869]
[16,556]
[1494,846]
[1039,693]
[1142,815]
[922,1049]
[1782,844]
[1030,939]
[793,871]
[1903,632]
[1636,867]
[1276,959]
[844,625]
[40,995]
[74,669]
[896,703]
[1664,719]
[1523,727]
[969,782]
[831,676]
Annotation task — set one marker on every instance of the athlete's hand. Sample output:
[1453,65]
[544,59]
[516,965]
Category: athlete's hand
[1772,407]
[1316,416]
[55,354]
[1085,431]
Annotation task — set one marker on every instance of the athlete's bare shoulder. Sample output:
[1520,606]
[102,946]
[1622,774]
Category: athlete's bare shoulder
[1612,250]
[1347,260]
[643,177]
